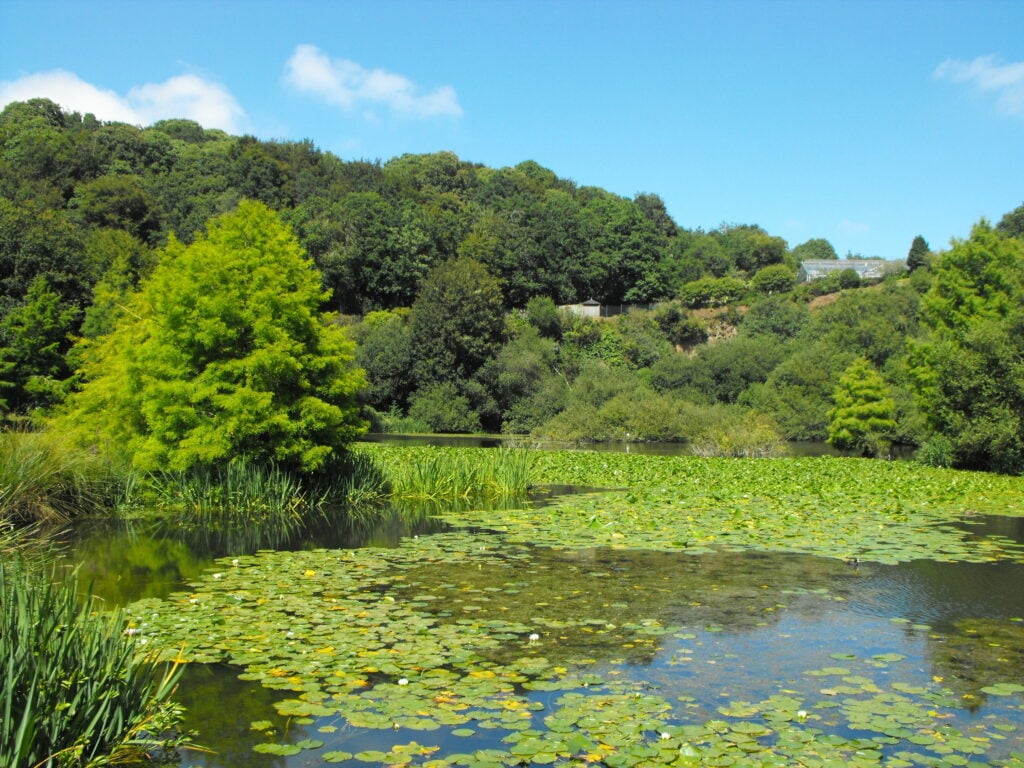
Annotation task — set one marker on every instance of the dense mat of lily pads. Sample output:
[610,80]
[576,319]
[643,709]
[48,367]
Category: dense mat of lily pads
[476,647]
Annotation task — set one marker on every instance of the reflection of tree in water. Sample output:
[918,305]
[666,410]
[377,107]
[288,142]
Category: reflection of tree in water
[213,694]
[602,604]
[979,653]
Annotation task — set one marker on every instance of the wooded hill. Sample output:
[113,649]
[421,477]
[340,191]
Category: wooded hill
[448,274]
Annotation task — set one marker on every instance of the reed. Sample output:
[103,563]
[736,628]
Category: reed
[238,492]
[75,691]
[430,472]
[45,477]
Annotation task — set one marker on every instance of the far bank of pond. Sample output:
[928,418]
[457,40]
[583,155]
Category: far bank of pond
[718,612]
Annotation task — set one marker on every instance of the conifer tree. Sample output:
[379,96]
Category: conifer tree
[223,353]
[864,414]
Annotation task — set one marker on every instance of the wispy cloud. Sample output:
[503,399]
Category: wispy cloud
[184,96]
[350,85]
[986,75]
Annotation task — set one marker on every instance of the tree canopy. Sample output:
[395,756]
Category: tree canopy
[222,353]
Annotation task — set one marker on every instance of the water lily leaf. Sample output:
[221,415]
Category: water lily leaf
[277,749]
[336,756]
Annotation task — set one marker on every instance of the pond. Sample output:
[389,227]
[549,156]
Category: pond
[415,641]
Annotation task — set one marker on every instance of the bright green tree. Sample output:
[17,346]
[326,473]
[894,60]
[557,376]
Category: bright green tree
[863,418]
[223,353]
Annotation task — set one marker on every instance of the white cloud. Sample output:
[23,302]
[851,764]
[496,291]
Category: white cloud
[986,75]
[184,96]
[348,84]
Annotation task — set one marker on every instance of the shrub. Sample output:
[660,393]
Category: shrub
[443,409]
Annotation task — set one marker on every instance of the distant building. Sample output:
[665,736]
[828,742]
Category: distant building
[594,308]
[866,269]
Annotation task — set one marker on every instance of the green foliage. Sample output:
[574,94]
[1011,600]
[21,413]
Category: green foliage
[918,254]
[968,374]
[421,472]
[848,278]
[739,433]
[749,247]
[45,477]
[33,339]
[239,492]
[863,416]
[457,321]
[444,409]
[815,248]
[778,316]
[384,350]
[543,315]
[776,278]
[719,372]
[75,690]
[797,394]
[1012,223]
[680,327]
[712,292]
[222,353]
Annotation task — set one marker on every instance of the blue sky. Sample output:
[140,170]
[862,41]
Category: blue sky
[866,123]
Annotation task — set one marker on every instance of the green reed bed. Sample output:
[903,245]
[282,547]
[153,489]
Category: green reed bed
[239,491]
[75,691]
[428,472]
[44,477]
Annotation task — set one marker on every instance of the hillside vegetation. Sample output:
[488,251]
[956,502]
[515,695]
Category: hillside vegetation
[448,276]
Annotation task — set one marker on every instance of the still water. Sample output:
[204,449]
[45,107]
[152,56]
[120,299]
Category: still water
[745,628]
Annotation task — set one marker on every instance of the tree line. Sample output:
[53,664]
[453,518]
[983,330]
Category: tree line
[448,276]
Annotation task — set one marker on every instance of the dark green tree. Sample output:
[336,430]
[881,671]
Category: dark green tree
[34,338]
[223,353]
[457,322]
[917,256]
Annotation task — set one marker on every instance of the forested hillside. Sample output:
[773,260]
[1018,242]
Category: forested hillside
[448,276]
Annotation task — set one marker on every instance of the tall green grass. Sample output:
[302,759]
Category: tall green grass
[240,491]
[74,690]
[45,477]
[430,472]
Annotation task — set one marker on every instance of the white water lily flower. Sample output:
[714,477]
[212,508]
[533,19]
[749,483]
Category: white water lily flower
[403,681]
[534,637]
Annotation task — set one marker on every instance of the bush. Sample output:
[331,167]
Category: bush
[445,410]
[712,292]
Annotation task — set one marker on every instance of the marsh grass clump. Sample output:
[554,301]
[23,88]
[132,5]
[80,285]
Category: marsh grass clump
[76,691]
[422,472]
[237,492]
[45,477]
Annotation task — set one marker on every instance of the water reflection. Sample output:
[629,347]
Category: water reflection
[745,626]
